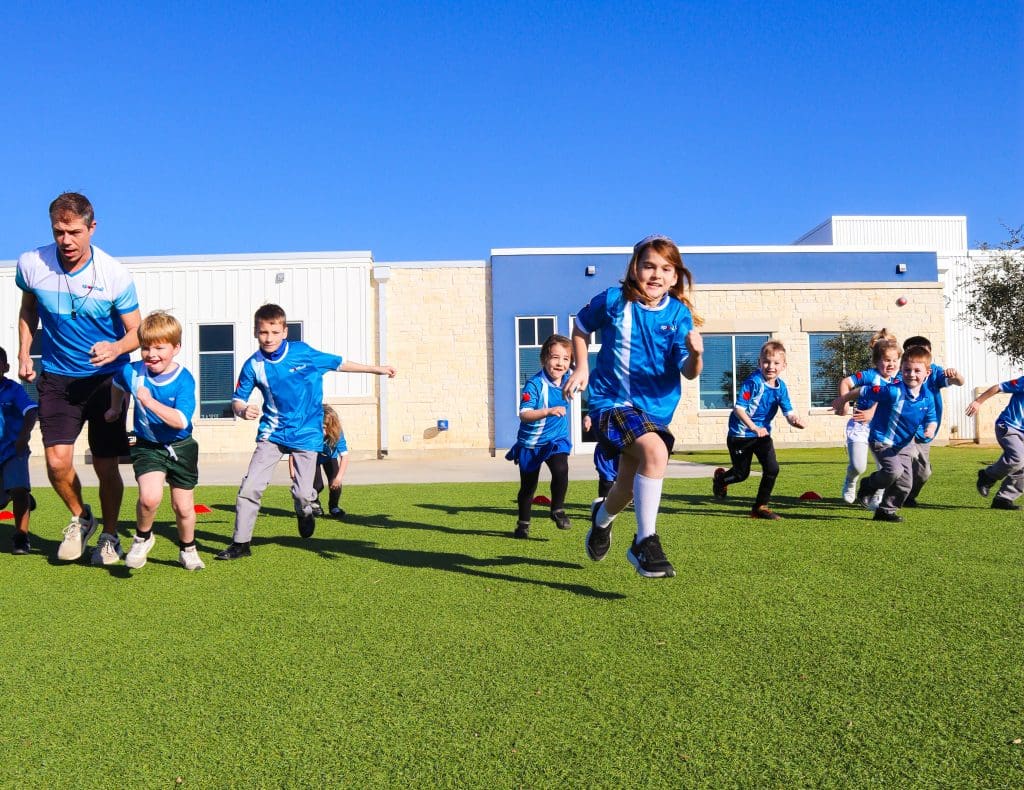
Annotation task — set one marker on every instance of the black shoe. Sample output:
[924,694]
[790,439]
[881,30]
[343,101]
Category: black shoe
[718,488]
[317,510]
[893,518]
[561,520]
[864,494]
[234,552]
[522,530]
[984,483]
[649,559]
[306,525]
[337,512]
[763,512]
[21,543]
[999,503]
[912,502]
[598,540]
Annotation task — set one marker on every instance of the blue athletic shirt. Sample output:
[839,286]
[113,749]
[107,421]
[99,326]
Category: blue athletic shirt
[761,401]
[899,415]
[97,295]
[14,405]
[541,392]
[176,388]
[292,386]
[866,378]
[642,353]
[1013,415]
[332,451]
[936,381]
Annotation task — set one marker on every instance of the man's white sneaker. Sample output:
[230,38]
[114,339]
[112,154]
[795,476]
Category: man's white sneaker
[76,536]
[138,550]
[108,550]
[189,558]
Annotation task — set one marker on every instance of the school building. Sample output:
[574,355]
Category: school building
[464,335]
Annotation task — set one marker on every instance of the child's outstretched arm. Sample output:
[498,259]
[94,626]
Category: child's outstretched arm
[694,363]
[793,419]
[954,376]
[28,422]
[839,405]
[975,405]
[580,376]
[532,415]
[359,367]
[335,483]
[742,416]
[118,401]
[168,414]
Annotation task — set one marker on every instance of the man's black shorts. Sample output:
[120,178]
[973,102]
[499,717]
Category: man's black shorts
[67,403]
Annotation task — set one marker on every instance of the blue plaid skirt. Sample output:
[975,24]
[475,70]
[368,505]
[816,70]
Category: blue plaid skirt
[619,427]
[530,459]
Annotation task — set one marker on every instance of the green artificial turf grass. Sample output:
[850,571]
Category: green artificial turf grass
[418,643]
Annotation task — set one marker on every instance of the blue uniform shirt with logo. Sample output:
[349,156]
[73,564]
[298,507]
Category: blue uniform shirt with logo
[937,380]
[643,350]
[899,414]
[1013,415]
[866,378]
[176,389]
[761,401]
[14,405]
[293,392]
[540,392]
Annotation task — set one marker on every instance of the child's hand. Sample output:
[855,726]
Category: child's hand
[929,432]
[694,343]
[950,373]
[839,407]
[796,422]
[387,370]
[252,412]
[111,415]
[973,408]
[577,382]
[556,411]
[144,396]
[335,484]
[861,416]
[761,432]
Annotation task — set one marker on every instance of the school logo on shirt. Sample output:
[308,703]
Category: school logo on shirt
[297,367]
[876,388]
[668,327]
[859,376]
[746,395]
[526,397]
[1013,382]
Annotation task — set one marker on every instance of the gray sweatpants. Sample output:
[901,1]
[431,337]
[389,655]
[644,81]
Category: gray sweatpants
[261,469]
[895,475]
[1010,464]
[921,466]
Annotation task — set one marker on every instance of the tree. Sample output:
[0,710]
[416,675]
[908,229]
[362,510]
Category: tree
[995,288]
[842,354]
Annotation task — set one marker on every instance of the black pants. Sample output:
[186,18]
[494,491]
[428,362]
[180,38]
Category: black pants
[559,466]
[330,469]
[742,451]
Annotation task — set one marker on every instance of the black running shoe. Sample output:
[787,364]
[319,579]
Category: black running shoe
[983,483]
[522,530]
[598,540]
[234,552]
[762,511]
[561,520]
[864,494]
[306,525]
[999,503]
[21,543]
[718,488]
[893,518]
[912,502]
[317,509]
[649,559]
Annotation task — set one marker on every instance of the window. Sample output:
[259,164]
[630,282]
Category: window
[835,355]
[531,333]
[295,330]
[216,369]
[728,360]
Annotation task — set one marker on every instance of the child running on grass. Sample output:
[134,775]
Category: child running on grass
[17,418]
[165,401]
[331,463]
[289,375]
[544,434]
[648,340]
[938,379]
[1010,435]
[750,428]
[885,356]
[904,406]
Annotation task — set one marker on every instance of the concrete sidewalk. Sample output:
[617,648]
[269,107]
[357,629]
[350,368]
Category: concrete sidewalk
[433,468]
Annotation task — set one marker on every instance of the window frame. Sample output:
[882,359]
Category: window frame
[200,355]
[520,382]
[732,351]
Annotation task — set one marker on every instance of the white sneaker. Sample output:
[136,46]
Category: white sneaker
[76,536]
[189,558]
[876,500]
[108,550]
[850,491]
[139,549]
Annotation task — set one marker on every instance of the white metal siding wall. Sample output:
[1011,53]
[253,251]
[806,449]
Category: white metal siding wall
[901,233]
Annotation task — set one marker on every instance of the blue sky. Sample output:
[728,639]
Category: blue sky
[439,131]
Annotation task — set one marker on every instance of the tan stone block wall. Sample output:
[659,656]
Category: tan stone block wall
[985,419]
[439,338]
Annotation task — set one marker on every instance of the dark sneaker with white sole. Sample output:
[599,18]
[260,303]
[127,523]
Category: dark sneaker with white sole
[522,530]
[21,544]
[718,487]
[1001,503]
[892,518]
[598,540]
[307,525]
[234,552]
[983,484]
[561,520]
[649,559]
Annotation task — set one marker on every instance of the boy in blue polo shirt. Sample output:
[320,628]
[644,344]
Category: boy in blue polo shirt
[1010,435]
[289,375]
[750,428]
[904,406]
[938,379]
[164,450]
[17,418]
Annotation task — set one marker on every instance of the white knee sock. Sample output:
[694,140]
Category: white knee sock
[646,501]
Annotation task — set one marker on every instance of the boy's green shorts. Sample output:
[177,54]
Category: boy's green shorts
[181,471]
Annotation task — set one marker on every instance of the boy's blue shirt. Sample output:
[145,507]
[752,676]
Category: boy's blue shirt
[643,350]
[865,378]
[293,393]
[14,405]
[937,380]
[899,415]
[1013,415]
[540,392]
[761,402]
[176,389]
